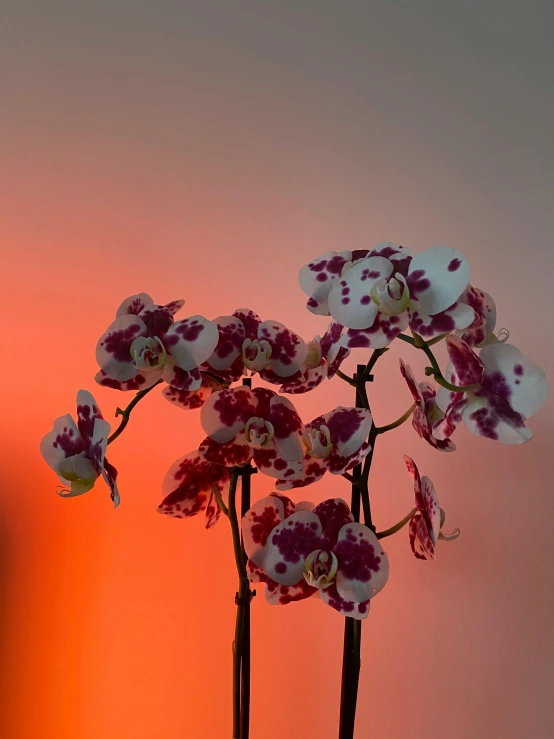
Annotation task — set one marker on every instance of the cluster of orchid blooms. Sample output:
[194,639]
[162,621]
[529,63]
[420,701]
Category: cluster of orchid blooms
[372,296]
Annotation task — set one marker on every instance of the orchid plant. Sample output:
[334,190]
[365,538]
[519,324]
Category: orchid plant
[300,549]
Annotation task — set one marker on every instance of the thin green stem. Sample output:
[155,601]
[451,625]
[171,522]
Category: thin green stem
[127,412]
[397,526]
[395,424]
[439,379]
[346,378]
[373,360]
[219,499]
[434,369]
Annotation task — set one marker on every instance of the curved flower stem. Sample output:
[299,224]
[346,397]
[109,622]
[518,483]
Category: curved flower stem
[346,378]
[397,526]
[216,378]
[127,412]
[220,502]
[404,417]
[434,369]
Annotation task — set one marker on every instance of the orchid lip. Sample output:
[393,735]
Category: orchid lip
[315,354]
[148,353]
[256,354]
[321,568]
[318,442]
[258,433]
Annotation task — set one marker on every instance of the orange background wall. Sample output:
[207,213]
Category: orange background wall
[207,150]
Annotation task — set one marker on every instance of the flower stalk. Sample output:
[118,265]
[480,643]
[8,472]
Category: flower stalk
[125,414]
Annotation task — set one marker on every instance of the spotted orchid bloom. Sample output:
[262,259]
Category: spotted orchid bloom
[334,442]
[481,331]
[303,550]
[144,344]
[76,451]
[510,389]
[189,487]
[426,413]
[425,528]
[378,296]
[325,356]
[243,424]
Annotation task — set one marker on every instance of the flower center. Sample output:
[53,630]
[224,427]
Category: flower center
[315,354]
[148,353]
[256,354]
[258,433]
[390,296]
[318,442]
[321,568]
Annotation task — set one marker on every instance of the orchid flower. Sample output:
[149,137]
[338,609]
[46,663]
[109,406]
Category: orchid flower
[427,521]
[325,356]
[510,388]
[144,345]
[481,331]
[76,451]
[243,424]
[301,550]
[426,412]
[378,295]
[190,487]
[334,442]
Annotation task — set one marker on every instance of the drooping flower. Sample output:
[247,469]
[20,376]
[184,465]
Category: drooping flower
[243,424]
[189,488]
[510,389]
[144,345]
[301,550]
[325,356]
[76,451]
[480,332]
[426,412]
[378,296]
[334,442]
[425,528]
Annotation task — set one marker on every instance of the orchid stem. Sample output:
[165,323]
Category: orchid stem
[127,412]
[397,526]
[404,417]
[346,378]
[434,369]
[220,502]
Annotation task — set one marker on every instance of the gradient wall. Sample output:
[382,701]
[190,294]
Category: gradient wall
[206,151]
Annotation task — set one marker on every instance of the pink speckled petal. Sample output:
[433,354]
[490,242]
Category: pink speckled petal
[226,412]
[414,474]
[349,300]
[338,464]
[229,347]
[399,256]
[287,427]
[113,351]
[288,545]
[465,363]
[437,277]
[180,379]
[62,442]
[414,388]
[87,413]
[485,316]
[140,381]
[258,523]
[188,485]
[493,418]
[134,304]
[308,380]
[188,400]
[378,336]
[313,471]
[230,454]
[110,473]
[174,306]
[191,341]
[432,508]
[270,463]
[288,350]
[363,565]
[281,595]
[250,320]
[420,542]
[333,513]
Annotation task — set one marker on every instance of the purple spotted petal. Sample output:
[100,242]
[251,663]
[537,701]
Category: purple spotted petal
[349,427]
[287,427]
[313,470]
[226,413]
[437,277]
[113,351]
[180,379]
[110,473]
[62,442]
[232,453]
[281,595]
[349,300]
[363,568]
[174,306]
[457,316]
[333,513]
[87,413]
[157,319]
[191,341]
[378,336]
[188,400]
[134,304]
[308,380]
[338,464]
[331,597]
[271,463]
[431,508]
[420,541]
[317,277]
[466,364]
[140,381]
[397,254]
[288,350]
[229,347]
[485,316]
[189,484]
[288,545]
[258,523]
[250,320]
[415,390]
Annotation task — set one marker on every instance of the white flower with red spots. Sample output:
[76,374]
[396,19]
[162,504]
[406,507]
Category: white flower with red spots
[258,424]
[144,344]
[334,442]
[376,295]
[510,389]
[76,451]
[189,488]
[325,356]
[301,550]
[426,523]
[426,413]
[481,331]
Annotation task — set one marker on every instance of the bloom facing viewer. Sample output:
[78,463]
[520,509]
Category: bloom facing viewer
[303,550]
